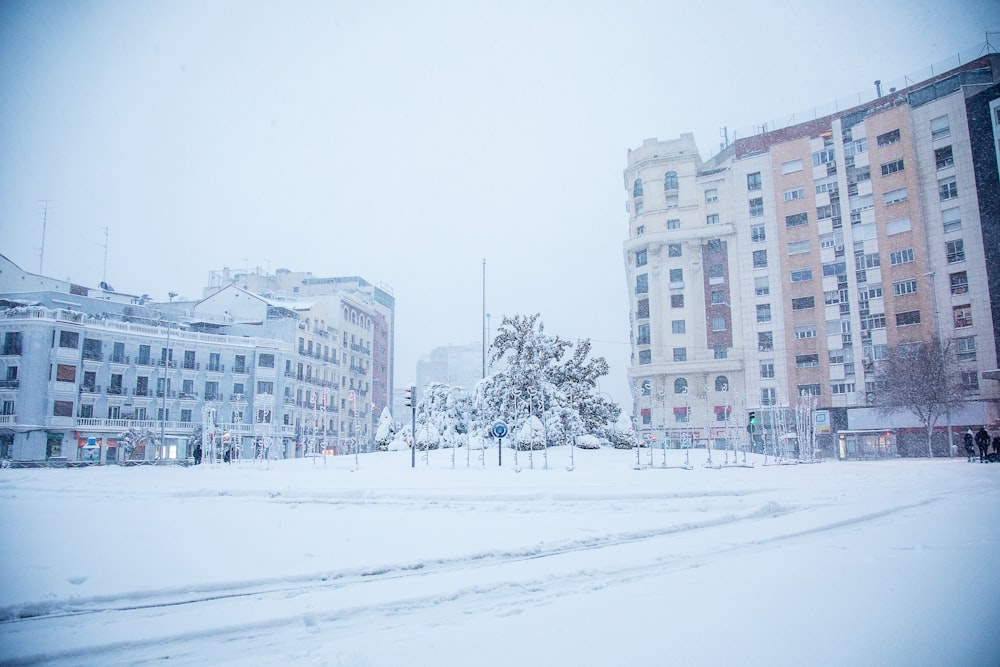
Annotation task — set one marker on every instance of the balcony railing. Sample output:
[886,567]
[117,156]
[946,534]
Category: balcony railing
[10,384]
[11,350]
[8,419]
[93,355]
[120,359]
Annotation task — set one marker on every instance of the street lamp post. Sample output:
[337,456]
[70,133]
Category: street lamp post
[166,367]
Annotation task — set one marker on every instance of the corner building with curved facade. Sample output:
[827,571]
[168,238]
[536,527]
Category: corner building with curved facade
[779,272]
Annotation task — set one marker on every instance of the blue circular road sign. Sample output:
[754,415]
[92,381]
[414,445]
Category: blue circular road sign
[499,429]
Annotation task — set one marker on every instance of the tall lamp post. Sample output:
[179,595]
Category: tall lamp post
[166,367]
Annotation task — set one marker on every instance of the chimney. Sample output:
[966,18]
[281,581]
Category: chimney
[878,87]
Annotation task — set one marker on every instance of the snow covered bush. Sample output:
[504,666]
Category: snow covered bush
[588,442]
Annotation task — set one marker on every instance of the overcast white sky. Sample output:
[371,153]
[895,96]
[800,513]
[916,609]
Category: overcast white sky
[404,142]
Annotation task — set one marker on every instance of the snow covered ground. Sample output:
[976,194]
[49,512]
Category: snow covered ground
[329,562]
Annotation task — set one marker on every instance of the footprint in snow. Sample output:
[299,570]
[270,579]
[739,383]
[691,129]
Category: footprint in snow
[76,581]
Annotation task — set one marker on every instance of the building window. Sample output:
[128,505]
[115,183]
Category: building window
[717,297]
[791,166]
[904,256]
[642,283]
[718,324]
[823,157]
[711,195]
[887,138]
[943,157]
[712,219]
[680,386]
[768,396]
[673,201]
[265,360]
[757,233]
[720,351]
[713,245]
[642,335]
[645,357]
[670,180]
[805,331]
[904,287]
[806,360]
[62,409]
[893,197]
[955,251]
[673,250]
[803,303]
[892,167]
[186,416]
[872,322]
[753,181]
[678,326]
[642,308]
[802,275]
[641,257]
[715,274]
[722,412]
[794,193]
[676,300]
[673,224]
[759,259]
[69,339]
[761,286]
[798,247]
[65,373]
[640,230]
[680,354]
[842,388]
[959,282]
[947,188]
[676,278]
[940,128]
[951,219]
[808,390]
[965,348]
[681,415]
[765,341]
[763,313]
[970,380]
[637,187]
[767,368]
[962,316]
[12,343]
[796,220]
[756,207]
[898,226]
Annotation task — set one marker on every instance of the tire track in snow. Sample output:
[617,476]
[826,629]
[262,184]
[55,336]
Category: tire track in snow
[233,617]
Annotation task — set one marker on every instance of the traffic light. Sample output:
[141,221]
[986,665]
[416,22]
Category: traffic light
[753,417]
[408,396]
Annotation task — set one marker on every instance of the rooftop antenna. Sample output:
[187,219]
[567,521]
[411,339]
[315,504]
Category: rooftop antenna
[45,219]
[104,275]
[988,48]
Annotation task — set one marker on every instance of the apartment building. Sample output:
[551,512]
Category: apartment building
[262,377]
[780,271]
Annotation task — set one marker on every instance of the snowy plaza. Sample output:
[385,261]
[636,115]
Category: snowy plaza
[367,561]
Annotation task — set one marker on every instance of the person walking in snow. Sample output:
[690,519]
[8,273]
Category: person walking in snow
[983,442]
[970,449]
[996,449]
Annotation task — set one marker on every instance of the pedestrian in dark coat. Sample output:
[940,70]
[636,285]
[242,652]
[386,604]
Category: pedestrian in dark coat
[983,442]
[970,448]
[996,449]
[197,454]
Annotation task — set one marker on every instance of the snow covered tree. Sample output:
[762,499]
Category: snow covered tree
[531,435]
[532,378]
[386,431]
[621,434]
[445,410]
[921,378]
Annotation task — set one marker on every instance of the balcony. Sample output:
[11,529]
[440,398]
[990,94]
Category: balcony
[168,363]
[120,359]
[141,392]
[10,384]
[188,396]
[191,366]
[144,361]
[93,355]
[90,389]
[8,419]
[115,390]
[216,368]
[11,350]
